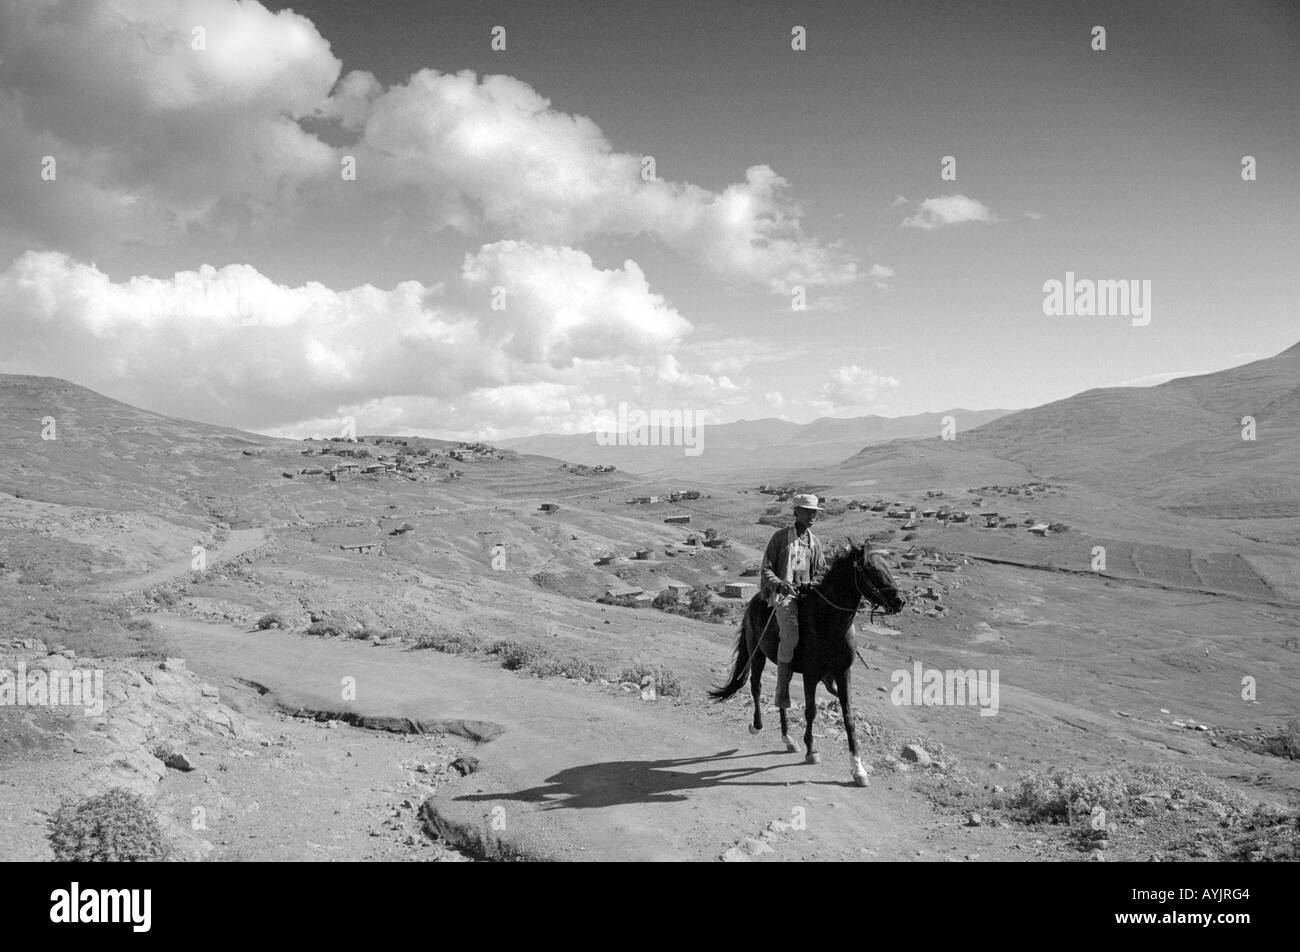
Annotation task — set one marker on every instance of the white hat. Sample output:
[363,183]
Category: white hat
[806,501]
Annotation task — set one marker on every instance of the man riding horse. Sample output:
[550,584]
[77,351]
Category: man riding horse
[793,562]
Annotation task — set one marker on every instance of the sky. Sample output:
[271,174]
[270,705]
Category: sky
[276,217]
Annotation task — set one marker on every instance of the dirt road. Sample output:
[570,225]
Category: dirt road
[582,771]
[240,541]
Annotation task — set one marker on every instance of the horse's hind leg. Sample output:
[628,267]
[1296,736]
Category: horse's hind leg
[755,683]
[857,772]
[810,715]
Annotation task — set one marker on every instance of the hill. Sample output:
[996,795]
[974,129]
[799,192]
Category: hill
[747,450]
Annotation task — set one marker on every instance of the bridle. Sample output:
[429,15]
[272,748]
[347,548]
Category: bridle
[857,584]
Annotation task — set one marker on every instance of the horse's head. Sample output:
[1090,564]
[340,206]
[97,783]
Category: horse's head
[876,582]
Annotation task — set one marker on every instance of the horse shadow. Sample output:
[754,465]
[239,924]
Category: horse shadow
[619,782]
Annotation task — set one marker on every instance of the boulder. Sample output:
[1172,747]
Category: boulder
[917,755]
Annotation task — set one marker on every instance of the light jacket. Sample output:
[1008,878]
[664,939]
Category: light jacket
[776,561]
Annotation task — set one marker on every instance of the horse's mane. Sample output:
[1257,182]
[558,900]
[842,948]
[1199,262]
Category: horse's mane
[841,556]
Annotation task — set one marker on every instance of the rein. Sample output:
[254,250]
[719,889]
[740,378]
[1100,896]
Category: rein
[871,617]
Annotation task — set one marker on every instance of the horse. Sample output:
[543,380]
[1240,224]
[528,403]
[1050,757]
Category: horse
[826,645]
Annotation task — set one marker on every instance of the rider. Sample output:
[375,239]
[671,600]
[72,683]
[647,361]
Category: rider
[793,560]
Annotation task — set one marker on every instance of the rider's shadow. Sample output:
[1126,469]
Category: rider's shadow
[616,782]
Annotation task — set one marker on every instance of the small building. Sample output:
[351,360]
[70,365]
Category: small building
[739,589]
[646,500]
[624,591]
[1041,529]
[693,540]
[643,554]
[678,520]
[549,507]
[677,588]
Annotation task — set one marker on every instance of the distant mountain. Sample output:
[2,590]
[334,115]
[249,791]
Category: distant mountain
[746,449]
[1177,446]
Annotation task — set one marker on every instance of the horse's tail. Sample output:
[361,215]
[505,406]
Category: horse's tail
[739,669]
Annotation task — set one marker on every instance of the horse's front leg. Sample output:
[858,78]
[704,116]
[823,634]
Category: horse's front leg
[809,715]
[790,748]
[857,772]
[755,683]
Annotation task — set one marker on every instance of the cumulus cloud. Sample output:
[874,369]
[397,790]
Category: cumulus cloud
[163,136]
[150,133]
[852,387]
[230,345]
[880,275]
[949,210]
[492,152]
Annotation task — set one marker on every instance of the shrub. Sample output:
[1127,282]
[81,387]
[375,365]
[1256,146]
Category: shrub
[271,620]
[162,596]
[718,612]
[515,655]
[325,629]
[448,643]
[668,598]
[547,667]
[666,682]
[115,826]
[699,598]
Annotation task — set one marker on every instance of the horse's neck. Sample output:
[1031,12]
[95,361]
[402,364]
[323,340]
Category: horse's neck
[840,593]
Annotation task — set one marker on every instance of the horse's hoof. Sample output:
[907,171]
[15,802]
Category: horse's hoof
[753,729]
[790,747]
[813,758]
[860,778]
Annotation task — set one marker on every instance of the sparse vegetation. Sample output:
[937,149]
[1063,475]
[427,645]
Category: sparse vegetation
[667,683]
[1053,795]
[448,642]
[324,629]
[114,827]
[271,620]
[535,660]
[699,598]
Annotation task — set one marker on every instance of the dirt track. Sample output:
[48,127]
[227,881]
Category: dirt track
[582,772]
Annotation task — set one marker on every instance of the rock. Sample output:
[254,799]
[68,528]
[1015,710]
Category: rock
[465,765]
[173,664]
[735,855]
[756,847]
[210,691]
[1097,857]
[974,819]
[778,826]
[998,788]
[916,754]
[972,856]
[996,766]
[178,761]
[648,688]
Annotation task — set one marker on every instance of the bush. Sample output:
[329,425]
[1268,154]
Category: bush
[325,629]
[668,598]
[667,683]
[162,597]
[271,620]
[699,598]
[515,655]
[113,827]
[718,611]
[448,643]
